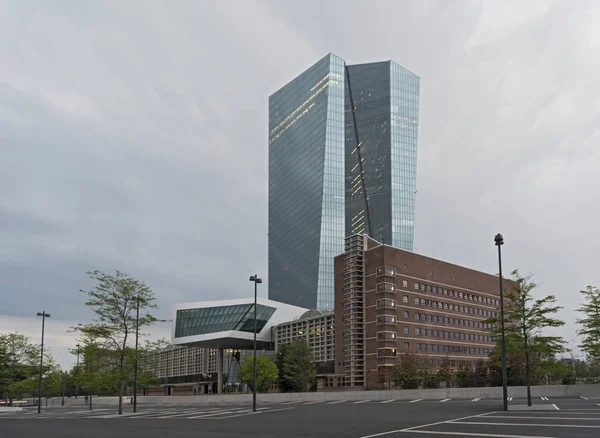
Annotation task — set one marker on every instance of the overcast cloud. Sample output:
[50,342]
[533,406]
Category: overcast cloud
[133,136]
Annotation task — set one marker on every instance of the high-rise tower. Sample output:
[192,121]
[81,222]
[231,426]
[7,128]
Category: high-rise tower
[342,161]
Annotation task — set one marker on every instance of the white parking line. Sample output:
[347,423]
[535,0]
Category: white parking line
[585,398]
[415,401]
[509,398]
[361,401]
[541,418]
[581,426]
[388,401]
[445,400]
[291,402]
[251,413]
[188,412]
[314,402]
[336,402]
[544,398]
[233,411]
[476,399]
[556,407]
[413,429]
[487,435]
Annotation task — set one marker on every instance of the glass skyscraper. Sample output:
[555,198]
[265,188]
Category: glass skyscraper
[342,160]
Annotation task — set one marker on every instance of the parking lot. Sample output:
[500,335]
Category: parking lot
[550,418]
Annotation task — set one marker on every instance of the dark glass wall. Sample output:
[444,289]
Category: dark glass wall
[190,322]
[306,193]
[381,146]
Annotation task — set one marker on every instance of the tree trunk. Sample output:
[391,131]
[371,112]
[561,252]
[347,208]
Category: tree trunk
[121,387]
[527,378]
[121,390]
[91,400]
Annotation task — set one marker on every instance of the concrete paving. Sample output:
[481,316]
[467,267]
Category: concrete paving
[568,417]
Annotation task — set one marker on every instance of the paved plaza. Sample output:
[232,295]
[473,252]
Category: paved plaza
[549,418]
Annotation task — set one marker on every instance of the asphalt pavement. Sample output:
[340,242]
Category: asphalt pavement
[552,418]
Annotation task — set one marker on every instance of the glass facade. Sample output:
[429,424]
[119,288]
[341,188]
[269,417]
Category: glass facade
[306,191]
[382,105]
[190,322]
[342,161]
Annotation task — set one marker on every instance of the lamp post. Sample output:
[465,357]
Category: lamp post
[499,242]
[44,315]
[135,365]
[77,378]
[256,281]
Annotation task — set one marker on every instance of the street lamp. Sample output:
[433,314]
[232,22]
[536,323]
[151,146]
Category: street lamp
[135,366]
[44,315]
[256,281]
[77,371]
[499,242]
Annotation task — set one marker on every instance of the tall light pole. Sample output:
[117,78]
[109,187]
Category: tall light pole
[77,378]
[256,281]
[135,365]
[499,242]
[44,315]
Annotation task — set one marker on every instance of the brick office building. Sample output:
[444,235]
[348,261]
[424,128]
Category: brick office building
[389,301]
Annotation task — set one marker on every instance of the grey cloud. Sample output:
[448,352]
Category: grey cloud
[133,136]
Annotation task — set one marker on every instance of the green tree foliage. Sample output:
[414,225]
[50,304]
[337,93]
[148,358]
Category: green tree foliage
[444,373]
[95,369]
[525,319]
[407,372]
[284,384]
[590,324]
[19,363]
[266,372]
[296,367]
[113,301]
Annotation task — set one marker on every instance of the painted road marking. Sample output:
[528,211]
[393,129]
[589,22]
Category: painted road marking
[585,398]
[509,398]
[476,399]
[556,407]
[189,412]
[413,429]
[361,401]
[389,401]
[544,398]
[542,418]
[445,400]
[232,411]
[583,426]
[336,402]
[415,401]
[486,435]
[251,413]
[314,402]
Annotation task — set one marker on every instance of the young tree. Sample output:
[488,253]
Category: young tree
[590,324]
[298,366]
[429,377]
[465,377]
[19,362]
[407,373]
[525,318]
[444,373]
[93,375]
[266,372]
[114,301]
[282,381]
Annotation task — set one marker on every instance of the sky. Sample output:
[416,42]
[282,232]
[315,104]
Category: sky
[133,136]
